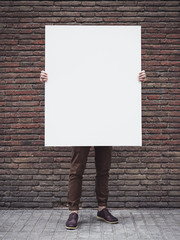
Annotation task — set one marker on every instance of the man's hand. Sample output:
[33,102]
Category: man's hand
[43,76]
[142,76]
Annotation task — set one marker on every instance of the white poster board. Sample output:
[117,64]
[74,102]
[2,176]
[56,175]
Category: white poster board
[93,95]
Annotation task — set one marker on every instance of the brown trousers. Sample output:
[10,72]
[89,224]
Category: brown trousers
[78,164]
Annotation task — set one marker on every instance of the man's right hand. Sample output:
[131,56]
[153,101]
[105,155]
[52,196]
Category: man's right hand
[43,76]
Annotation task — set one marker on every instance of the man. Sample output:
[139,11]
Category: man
[78,163]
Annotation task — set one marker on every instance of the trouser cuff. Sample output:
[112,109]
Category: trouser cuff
[73,208]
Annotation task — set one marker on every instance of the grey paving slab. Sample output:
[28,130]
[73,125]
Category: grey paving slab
[49,224]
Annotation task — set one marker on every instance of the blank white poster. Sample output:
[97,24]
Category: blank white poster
[93,95]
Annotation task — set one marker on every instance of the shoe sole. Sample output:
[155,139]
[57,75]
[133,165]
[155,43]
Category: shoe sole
[100,218]
[71,228]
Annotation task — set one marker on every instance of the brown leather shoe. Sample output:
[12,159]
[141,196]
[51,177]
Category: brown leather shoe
[71,223]
[106,216]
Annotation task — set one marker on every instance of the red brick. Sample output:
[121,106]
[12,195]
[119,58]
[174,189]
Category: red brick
[144,176]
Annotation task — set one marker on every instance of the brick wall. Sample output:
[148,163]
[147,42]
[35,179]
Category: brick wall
[32,175]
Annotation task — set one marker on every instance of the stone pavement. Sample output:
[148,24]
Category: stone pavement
[134,224]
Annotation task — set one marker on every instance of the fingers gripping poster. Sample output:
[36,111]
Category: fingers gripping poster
[93,95]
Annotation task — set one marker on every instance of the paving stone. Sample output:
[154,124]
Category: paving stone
[49,224]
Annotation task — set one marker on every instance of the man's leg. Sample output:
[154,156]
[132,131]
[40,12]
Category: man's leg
[78,164]
[103,163]
[103,157]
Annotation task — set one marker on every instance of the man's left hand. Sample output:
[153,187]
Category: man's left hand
[142,76]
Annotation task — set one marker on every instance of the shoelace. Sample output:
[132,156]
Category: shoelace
[107,212]
[72,215]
